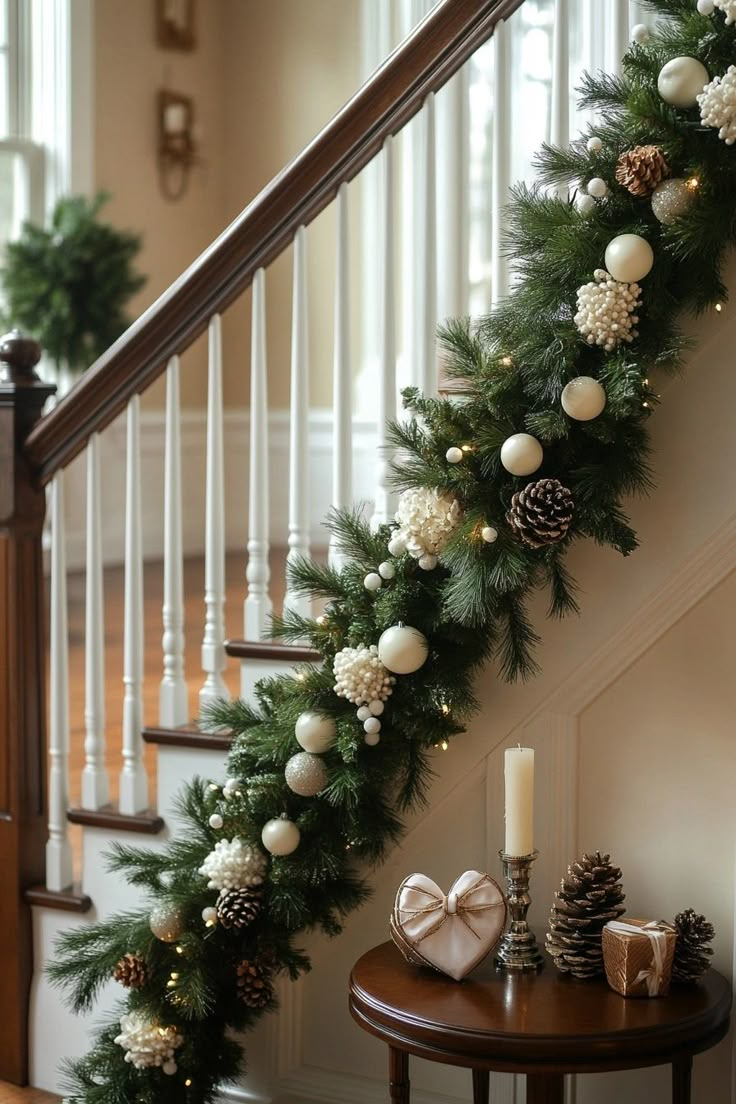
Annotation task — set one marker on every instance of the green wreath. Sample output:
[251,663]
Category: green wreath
[549,439]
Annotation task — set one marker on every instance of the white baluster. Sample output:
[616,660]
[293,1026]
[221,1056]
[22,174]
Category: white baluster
[619,39]
[258,602]
[299,424]
[58,849]
[213,641]
[453,227]
[133,779]
[173,693]
[385,495]
[500,157]
[342,389]
[95,790]
[559,131]
[425,257]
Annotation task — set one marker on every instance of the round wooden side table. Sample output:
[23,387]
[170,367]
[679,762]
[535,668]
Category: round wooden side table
[543,1025]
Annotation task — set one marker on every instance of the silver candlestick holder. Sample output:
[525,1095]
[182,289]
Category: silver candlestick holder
[518,948]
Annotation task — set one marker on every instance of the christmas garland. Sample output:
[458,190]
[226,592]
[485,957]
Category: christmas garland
[550,437]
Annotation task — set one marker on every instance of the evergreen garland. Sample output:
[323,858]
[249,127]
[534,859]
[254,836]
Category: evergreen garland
[473,605]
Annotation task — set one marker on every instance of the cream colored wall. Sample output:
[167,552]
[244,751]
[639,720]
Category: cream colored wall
[289,66]
[265,77]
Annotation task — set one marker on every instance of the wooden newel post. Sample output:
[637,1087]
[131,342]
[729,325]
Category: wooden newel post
[22,693]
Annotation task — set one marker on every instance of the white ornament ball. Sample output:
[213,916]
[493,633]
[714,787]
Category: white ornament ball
[640,34]
[454,455]
[583,398]
[386,570]
[373,581]
[671,199]
[681,80]
[305,774]
[231,788]
[209,915]
[428,562]
[280,836]
[170,1067]
[403,649]
[397,545]
[706,7]
[216,821]
[314,732]
[233,864]
[166,923]
[521,454]
[629,258]
[372,738]
[376,708]
[718,105]
[372,725]
[489,534]
[597,187]
[586,205]
[364,713]
[594,144]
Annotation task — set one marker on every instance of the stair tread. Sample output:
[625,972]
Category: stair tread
[282,653]
[187,736]
[147,822]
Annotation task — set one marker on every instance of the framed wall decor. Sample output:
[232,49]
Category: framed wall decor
[175,24]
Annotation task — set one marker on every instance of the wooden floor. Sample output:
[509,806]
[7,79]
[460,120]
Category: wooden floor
[9,1094]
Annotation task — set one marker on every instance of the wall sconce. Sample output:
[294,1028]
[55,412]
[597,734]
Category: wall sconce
[177,151]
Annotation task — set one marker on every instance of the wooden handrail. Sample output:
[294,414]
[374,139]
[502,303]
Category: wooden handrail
[423,63]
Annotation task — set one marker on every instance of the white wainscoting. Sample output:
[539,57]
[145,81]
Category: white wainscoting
[236,444]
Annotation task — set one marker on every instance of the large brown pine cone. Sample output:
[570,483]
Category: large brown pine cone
[641,169]
[131,971]
[238,907]
[254,982]
[588,898]
[541,513]
[692,953]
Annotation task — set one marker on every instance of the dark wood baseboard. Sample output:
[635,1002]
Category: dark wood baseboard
[149,823]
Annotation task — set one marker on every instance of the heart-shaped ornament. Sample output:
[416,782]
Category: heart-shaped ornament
[451,933]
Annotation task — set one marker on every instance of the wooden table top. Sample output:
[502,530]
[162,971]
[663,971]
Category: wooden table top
[547,1021]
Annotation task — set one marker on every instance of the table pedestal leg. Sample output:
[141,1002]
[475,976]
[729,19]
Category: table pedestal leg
[545,1088]
[682,1070]
[398,1071]
[481,1087]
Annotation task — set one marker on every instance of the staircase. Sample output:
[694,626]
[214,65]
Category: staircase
[38,896]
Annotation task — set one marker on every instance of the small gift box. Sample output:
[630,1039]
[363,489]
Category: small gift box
[638,957]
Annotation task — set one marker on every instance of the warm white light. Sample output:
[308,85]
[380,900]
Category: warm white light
[444,745]
[719,307]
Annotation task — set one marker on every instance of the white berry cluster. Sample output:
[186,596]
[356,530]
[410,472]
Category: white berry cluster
[360,676]
[718,103]
[606,311]
[146,1044]
[427,519]
[728,7]
[233,865]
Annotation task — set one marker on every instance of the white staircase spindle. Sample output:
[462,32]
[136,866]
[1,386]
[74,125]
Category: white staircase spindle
[385,495]
[258,602]
[133,779]
[342,389]
[95,790]
[619,34]
[500,281]
[298,538]
[58,848]
[213,640]
[453,225]
[560,107]
[173,694]
[425,253]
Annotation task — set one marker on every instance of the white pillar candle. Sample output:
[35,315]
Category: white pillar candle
[519,781]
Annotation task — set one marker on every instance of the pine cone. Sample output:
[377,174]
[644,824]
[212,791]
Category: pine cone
[131,971]
[254,982]
[641,169]
[692,955]
[588,898]
[238,907]
[541,513]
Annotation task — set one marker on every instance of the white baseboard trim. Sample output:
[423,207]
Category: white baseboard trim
[236,430]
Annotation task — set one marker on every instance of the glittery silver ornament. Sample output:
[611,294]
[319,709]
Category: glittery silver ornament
[166,923]
[718,105]
[671,199]
[360,677]
[606,311]
[148,1044]
[306,774]
[233,864]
